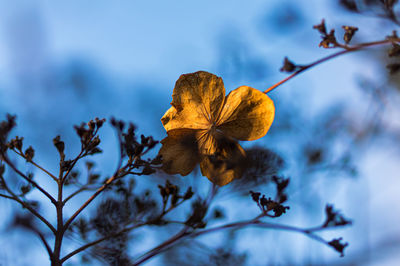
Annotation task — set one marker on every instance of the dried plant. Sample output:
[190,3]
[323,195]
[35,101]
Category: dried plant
[203,127]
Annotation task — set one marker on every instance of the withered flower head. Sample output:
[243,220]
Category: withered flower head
[204,125]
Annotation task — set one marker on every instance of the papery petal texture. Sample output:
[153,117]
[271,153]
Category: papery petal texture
[207,142]
[186,118]
[203,126]
[200,92]
[179,152]
[247,114]
[225,165]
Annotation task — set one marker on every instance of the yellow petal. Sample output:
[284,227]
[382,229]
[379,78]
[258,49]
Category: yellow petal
[198,98]
[186,118]
[207,142]
[225,165]
[247,114]
[179,152]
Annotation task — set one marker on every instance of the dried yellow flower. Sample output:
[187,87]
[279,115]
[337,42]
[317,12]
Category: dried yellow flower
[203,126]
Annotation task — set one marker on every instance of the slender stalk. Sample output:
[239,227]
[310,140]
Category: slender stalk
[63,177]
[108,182]
[37,166]
[127,229]
[184,232]
[29,180]
[324,59]
[46,245]
[26,206]
[88,245]
[60,226]
[6,196]
[162,247]
[73,194]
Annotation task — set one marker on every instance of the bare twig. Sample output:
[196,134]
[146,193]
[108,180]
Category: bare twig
[29,180]
[322,60]
[163,246]
[36,165]
[80,190]
[80,155]
[46,245]
[101,189]
[26,206]
[88,245]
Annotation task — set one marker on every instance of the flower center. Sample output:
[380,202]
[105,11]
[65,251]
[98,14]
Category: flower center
[213,129]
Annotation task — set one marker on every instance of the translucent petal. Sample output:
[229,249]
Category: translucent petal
[186,118]
[179,152]
[225,165]
[198,98]
[207,142]
[247,114]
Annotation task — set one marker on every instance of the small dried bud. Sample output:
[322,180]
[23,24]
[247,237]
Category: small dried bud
[321,27]
[89,165]
[218,214]
[188,194]
[99,122]
[95,150]
[163,191]
[280,209]
[80,130]
[29,153]
[328,40]
[93,178]
[174,199]
[59,146]
[334,218]
[144,140]
[65,165]
[17,143]
[91,124]
[288,66]
[349,33]
[255,196]
[338,246]
[25,189]
[95,141]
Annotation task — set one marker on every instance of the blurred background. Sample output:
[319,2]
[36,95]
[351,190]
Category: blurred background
[336,133]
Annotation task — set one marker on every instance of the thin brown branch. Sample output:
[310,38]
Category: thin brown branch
[163,246]
[37,165]
[29,180]
[237,225]
[81,154]
[324,59]
[73,194]
[88,245]
[181,234]
[127,229]
[6,196]
[46,245]
[63,177]
[101,189]
[29,208]
[60,226]
[258,223]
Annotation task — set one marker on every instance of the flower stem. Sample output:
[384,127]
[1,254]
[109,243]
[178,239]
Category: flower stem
[324,59]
